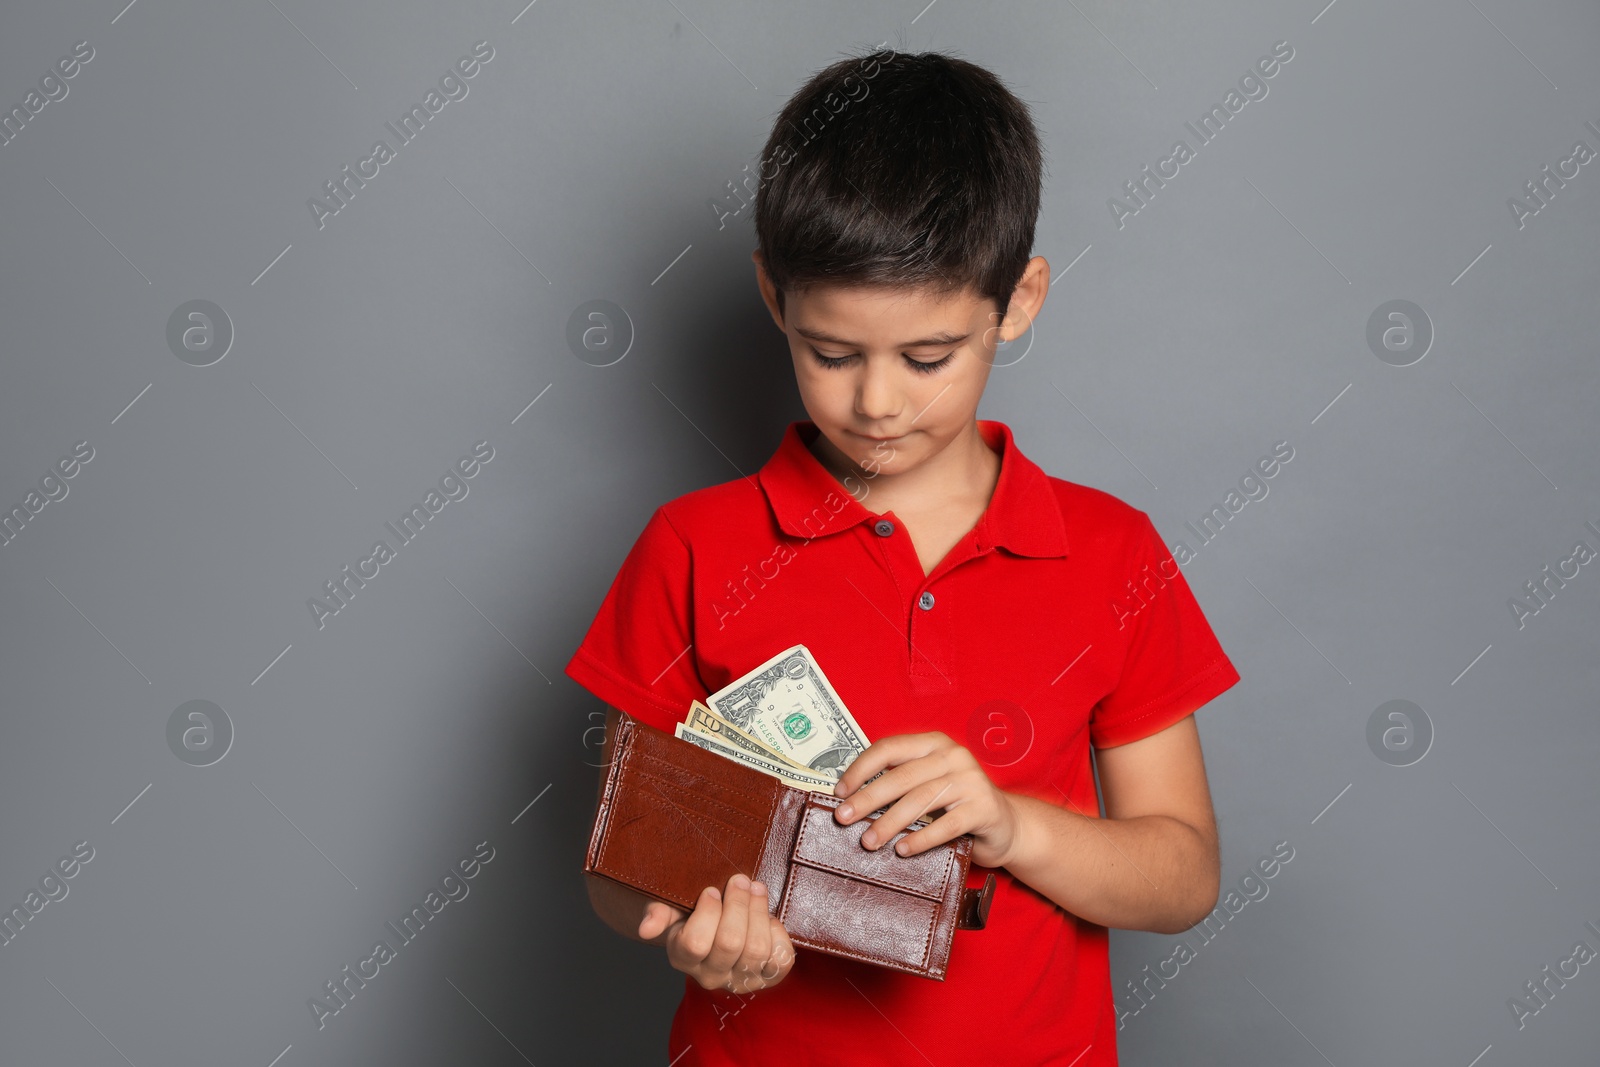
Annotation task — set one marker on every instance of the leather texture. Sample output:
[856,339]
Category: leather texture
[672,818]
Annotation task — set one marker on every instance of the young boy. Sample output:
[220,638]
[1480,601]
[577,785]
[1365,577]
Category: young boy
[985,623]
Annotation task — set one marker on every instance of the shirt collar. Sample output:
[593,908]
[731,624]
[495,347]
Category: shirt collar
[1023,514]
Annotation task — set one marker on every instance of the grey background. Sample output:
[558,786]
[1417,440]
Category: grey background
[430,713]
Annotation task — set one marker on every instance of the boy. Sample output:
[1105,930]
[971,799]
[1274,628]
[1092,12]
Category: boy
[985,623]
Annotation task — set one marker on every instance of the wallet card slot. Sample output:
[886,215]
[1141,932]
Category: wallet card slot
[754,804]
[690,806]
[696,800]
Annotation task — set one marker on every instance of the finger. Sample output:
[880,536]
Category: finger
[946,827]
[881,791]
[905,811]
[880,754]
[782,957]
[746,971]
[728,942]
[657,917]
[758,931]
[895,751]
[699,930]
[887,788]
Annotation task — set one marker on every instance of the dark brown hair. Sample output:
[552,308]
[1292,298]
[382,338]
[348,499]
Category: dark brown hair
[900,170]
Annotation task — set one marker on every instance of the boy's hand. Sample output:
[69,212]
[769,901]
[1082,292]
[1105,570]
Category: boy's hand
[926,772]
[730,941]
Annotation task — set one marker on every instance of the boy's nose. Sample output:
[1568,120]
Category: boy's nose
[877,399]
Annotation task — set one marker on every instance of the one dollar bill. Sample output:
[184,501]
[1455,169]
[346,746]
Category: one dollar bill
[788,705]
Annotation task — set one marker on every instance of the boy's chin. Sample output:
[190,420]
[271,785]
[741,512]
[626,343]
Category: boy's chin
[847,448]
[888,457]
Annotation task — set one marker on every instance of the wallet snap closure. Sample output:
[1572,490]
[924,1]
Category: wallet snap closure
[975,906]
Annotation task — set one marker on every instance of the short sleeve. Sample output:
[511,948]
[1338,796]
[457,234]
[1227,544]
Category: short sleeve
[1173,663]
[638,655]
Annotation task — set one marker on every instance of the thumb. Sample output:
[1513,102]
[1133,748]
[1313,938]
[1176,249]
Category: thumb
[657,917]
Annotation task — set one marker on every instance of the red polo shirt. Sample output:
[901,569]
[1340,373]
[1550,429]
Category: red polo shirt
[1060,621]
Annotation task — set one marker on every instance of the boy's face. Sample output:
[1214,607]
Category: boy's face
[909,365]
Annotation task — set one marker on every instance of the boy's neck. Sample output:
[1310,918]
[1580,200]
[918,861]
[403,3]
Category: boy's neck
[965,471]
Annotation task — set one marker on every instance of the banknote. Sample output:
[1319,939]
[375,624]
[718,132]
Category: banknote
[785,773]
[788,705]
[706,721]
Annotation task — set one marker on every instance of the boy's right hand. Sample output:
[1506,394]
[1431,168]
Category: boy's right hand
[730,941]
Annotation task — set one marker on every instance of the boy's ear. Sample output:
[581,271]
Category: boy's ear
[1027,298]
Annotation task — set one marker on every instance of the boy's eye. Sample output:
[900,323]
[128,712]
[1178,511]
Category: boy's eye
[928,367]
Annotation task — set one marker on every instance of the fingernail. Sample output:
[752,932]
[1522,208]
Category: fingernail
[740,882]
[845,811]
[758,888]
[869,839]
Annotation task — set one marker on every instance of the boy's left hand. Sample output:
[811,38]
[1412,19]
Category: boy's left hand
[926,772]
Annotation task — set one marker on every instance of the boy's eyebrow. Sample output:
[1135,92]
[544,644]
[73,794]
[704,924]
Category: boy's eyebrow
[944,338]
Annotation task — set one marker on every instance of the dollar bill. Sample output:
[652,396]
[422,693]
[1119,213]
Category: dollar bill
[785,773]
[788,705]
[706,721]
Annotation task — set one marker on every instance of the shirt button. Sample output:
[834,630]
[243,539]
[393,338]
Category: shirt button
[926,601]
[883,527]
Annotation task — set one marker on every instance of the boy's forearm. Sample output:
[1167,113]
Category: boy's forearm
[1148,873]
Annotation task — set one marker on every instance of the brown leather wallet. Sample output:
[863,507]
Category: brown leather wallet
[673,818]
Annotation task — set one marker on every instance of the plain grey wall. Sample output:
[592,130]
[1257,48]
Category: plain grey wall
[1232,309]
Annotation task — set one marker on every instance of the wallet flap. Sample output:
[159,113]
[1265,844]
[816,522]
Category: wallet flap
[823,843]
[872,905]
